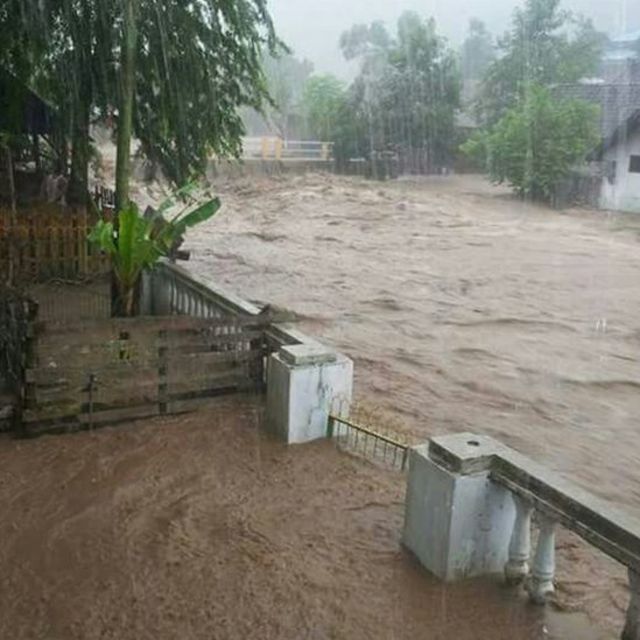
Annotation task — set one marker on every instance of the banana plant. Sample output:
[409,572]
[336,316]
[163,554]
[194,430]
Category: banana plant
[135,242]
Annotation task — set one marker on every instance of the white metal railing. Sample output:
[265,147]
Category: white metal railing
[510,483]
[276,148]
[170,289]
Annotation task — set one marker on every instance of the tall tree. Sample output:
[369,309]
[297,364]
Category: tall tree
[194,63]
[197,63]
[405,95]
[125,112]
[286,77]
[64,49]
[535,145]
[477,51]
[321,101]
[544,46]
[365,41]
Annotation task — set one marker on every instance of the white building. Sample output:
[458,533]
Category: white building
[621,162]
[616,92]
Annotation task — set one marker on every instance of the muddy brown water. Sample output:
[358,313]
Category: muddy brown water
[200,526]
[464,309]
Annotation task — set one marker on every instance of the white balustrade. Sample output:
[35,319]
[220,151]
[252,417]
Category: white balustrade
[517,567]
[632,624]
[540,583]
[458,523]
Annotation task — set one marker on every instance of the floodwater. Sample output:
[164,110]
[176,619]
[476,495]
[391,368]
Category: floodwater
[200,526]
[465,310]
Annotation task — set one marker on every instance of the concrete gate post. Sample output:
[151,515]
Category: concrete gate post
[457,522]
[305,383]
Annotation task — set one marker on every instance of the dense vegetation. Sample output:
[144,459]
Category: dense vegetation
[530,138]
[545,46]
[404,97]
[537,142]
[171,72]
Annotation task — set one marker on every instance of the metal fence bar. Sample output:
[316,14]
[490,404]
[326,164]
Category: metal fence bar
[350,434]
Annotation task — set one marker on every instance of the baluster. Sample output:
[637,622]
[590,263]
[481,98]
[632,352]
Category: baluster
[632,623]
[517,567]
[174,297]
[540,584]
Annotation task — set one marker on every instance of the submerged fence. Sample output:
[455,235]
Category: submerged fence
[364,441]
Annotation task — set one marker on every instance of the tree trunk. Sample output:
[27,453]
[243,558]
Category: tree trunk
[125,300]
[12,219]
[125,115]
[79,180]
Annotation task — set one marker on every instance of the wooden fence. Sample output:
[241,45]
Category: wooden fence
[194,343]
[48,243]
[125,368]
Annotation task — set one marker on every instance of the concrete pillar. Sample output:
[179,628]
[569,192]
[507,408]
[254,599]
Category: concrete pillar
[458,524]
[540,584]
[306,382]
[632,623]
[517,567]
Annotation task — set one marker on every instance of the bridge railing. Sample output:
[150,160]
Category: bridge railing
[471,505]
[275,148]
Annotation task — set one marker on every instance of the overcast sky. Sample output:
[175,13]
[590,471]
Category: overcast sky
[312,27]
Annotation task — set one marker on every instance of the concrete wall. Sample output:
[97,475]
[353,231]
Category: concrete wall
[256,167]
[622,193]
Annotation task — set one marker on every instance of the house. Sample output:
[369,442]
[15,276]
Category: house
[616,159]
[611,180]
[620,155]
[29,121]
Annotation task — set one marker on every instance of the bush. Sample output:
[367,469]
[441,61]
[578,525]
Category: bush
[535,145]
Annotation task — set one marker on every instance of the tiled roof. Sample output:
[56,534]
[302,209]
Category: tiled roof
[618,102]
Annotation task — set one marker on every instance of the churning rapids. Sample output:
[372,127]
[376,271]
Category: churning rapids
[464,309]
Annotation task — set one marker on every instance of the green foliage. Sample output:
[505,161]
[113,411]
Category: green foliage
[405,95]
[365,41]
[544,46]
[535,144]
[196,62]
[136,243]
[322,99]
